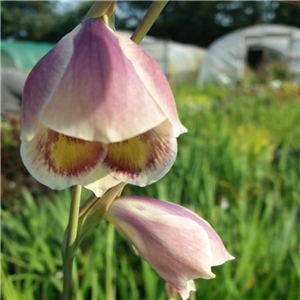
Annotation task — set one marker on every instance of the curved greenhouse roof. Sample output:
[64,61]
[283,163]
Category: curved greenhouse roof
[226,59]
[179,62]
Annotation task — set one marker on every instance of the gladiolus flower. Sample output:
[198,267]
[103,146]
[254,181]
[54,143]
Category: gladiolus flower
[176,242]
[98,110]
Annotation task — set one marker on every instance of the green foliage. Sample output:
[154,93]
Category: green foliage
[46,21]
[268,72]
[190,21]
[19,19]
[226,171]
[183,21]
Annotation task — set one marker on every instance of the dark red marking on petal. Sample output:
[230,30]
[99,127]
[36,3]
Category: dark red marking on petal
[148,151]
[69,156]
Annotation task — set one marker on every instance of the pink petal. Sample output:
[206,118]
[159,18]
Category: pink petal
[220,254]
[154,81]
[59,161]
[176,246]
[144,159]
[42,83]
[168,243]
[101,97]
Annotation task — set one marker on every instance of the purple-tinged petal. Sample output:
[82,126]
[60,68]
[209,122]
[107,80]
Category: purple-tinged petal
[144,159]
[170,237]
[42,83]
[101,97]
[154,81]
[60,161]
[220,254]
[167,242]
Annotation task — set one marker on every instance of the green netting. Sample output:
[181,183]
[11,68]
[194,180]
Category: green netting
[22,55]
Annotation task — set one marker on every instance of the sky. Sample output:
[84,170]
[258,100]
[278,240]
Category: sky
[65,6]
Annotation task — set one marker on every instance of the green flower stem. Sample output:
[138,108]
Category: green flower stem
[149,19]
[110,292]
[69,246]
[98,9]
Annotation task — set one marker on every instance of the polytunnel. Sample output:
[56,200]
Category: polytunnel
[179,62]
[227,57]
[22,55]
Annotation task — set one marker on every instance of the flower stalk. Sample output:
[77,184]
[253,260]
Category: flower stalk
[69,245]
[147,22]
[109,287]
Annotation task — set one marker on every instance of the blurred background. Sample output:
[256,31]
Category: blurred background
[234,68]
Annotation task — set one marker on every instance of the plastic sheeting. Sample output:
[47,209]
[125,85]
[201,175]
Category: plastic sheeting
[226,58]
[22,55]
[179,62]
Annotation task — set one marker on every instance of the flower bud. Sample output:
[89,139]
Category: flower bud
[176,242]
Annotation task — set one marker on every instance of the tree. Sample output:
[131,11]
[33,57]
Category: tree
[23,20]
[201,22]
[195,22]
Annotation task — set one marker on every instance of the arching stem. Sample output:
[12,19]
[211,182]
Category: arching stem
[149,19]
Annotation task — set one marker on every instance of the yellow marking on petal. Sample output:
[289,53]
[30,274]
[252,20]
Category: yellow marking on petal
[140,158]
[69,155]
[63,146]
[131,154]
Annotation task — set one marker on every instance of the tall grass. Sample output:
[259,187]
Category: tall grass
[226,171]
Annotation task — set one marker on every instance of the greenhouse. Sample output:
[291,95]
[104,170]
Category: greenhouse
[180,62]
[22,55]
[228,57]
